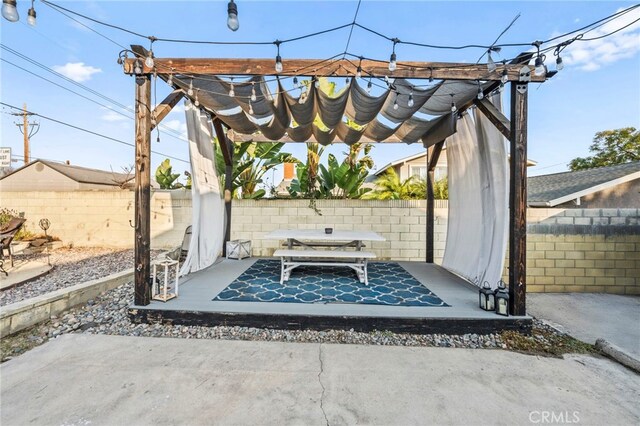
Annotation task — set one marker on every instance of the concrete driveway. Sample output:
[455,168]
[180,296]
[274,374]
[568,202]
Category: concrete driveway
[85,379]
[592,316]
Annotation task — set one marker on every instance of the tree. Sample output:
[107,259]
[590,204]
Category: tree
[610,147]
[165,178]
[390,187]
[251,161]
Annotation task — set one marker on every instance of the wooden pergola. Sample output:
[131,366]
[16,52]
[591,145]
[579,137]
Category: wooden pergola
[518,72]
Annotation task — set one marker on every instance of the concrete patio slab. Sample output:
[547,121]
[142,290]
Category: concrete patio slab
[90,379]
[22,272]
[589,317]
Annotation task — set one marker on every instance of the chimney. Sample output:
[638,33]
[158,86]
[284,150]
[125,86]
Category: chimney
[289,171]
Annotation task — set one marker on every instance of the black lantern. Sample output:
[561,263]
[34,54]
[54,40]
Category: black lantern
[502,299]
[487,297]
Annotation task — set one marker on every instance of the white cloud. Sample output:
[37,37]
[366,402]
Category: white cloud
[175,125]
[77,71]
[592,55]
[112,116]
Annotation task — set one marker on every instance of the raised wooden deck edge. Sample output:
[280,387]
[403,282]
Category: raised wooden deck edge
[455,326]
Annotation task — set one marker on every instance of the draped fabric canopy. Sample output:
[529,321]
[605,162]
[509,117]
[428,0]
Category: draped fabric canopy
[251,111]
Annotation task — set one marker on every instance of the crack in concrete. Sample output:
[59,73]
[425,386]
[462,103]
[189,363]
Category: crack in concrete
[326,419]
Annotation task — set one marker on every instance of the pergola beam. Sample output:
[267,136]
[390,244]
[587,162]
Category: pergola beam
[226,149]
[324,68]
[518,201]
[495,116]
[164,108]
[433,154]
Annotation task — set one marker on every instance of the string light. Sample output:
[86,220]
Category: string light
[316,83]
[430,75]
[148,61]
[369,85]
[480,93]
[395,101]
[453,104]
[539,63]
[31,16]
[410,101]
[9,10]
[346,80]
[232,16]
[505,75]
[232,91]
[359,72]
[392,59]
[137,69]
[278,58]
[170,79]
[295,82]
[253,92]
[250,108]
[190,91]
[559,63]
[197,102]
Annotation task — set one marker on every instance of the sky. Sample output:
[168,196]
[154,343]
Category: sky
[598,89]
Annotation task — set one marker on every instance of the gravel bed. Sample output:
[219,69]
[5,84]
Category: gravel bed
[70,266]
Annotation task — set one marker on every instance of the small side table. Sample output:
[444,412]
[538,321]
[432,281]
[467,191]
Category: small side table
[165,293]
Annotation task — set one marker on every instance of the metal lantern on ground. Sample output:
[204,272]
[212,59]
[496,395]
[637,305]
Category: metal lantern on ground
[502,299]
[486,297]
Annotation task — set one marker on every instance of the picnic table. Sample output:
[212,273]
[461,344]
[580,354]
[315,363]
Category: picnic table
[319,248]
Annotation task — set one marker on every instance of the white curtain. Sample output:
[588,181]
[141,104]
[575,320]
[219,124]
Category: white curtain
[478,200]
[207,231]
[495,196]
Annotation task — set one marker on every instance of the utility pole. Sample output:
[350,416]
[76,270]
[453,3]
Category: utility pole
[27,129]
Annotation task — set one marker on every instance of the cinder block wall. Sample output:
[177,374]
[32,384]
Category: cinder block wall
[401,222]
[591,250]
[583,250]
[101,218]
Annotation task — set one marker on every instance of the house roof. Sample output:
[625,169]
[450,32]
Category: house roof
[558,188]
[82,174]
[423,154]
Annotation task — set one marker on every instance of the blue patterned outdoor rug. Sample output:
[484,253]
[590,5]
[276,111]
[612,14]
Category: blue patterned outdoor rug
[389,284]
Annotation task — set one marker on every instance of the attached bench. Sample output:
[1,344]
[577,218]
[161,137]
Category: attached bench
[356,260]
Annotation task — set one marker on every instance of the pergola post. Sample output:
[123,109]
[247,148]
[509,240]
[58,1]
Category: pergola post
[433,154]
[518,200]
[142,241]
[227,153]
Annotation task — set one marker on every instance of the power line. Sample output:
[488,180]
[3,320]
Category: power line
[352,25]
[91,132]
[90,90]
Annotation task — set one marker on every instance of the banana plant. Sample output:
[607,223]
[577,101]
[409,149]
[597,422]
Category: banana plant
[165,178]
[251,162]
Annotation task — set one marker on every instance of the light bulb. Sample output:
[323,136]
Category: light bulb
[148,62]
[392,62]
[9,11]
[453,107]
[369,85]
[170,80]
[250,108]
[295,82]
[253,93]
[346,80]
[491,66]
[359,72]
[410,102]
[232,91]
[190,91]
[505,76]
[232,19]
[317,84]
[31,17]
[539,66]
[395,104]
[137,68]
[559,63]
[197,102]
[480,94]
[278,64]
